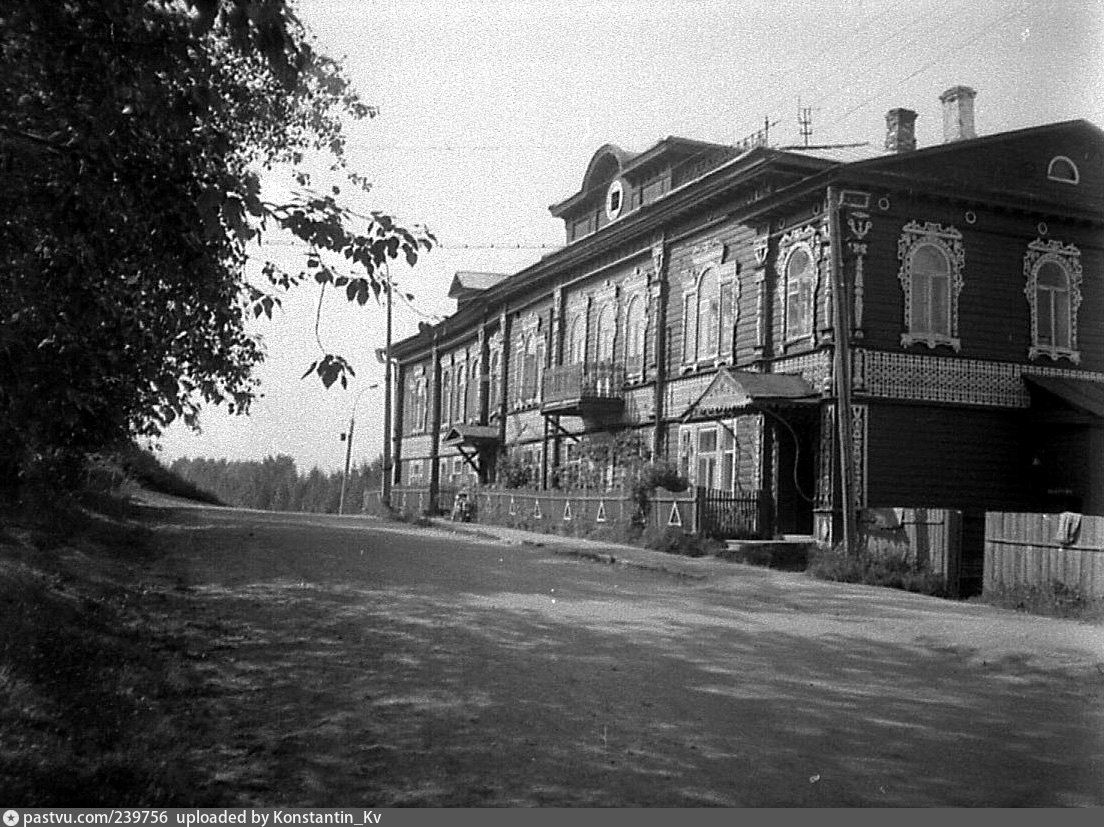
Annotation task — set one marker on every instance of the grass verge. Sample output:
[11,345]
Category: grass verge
[90,691]
[1052,600]
[892,570]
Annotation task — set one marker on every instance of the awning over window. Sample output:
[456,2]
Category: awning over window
[471,436]
[733,391]
[1080,394]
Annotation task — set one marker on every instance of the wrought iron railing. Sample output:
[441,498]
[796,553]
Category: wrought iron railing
[583,380]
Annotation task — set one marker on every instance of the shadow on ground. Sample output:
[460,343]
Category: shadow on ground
[341,665]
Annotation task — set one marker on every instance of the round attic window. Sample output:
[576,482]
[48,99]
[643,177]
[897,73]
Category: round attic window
[615,198]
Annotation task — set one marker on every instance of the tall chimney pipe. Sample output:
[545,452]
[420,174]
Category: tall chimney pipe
[958,114]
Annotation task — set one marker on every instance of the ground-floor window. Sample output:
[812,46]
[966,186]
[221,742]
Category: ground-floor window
[709,454]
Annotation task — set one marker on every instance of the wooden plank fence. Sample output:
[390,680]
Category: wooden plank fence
[559,509]
[1038,550]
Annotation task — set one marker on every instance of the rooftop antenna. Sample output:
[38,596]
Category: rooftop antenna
[805,121]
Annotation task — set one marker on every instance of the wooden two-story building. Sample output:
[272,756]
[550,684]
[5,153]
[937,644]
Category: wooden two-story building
[720,301]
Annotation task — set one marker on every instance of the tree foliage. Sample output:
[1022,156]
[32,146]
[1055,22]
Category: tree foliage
[133,138]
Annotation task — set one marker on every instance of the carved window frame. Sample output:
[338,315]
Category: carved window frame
[1068,258]
[460,388]
[419,407]
[948,240]
[635,334]
[605,328]
[807,239]
[446,394]
[708,260]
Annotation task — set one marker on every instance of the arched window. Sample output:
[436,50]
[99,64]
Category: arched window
[576,353]
[1063,169]
[932,260]
[605,333]
[709,315]
[689,328]
[634,335]
[460,398]
[529,372]
[931,292]
[538,372]
[1053,290]
[800,287]
[418,405]
[474,389]
[495,390]
[446,396]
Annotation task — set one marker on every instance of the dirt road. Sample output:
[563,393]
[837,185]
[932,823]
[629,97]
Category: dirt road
[340,661]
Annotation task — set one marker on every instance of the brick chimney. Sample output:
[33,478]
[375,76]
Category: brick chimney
[900,130]
[958,114]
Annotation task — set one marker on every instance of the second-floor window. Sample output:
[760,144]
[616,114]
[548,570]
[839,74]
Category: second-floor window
[1053,291]
[800,290]
[418,406]
[605,332]
[446,396]
[460,397]
[932,261]
[635,324]
[495,390]
[709,315]
[474,383]
[576,342]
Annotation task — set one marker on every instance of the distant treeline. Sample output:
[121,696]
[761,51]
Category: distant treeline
[274,483]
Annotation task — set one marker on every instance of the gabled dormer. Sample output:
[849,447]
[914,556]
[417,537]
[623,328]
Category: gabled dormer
[470,284]
[618,182]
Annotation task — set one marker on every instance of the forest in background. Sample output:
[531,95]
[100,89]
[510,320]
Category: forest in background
[275,484]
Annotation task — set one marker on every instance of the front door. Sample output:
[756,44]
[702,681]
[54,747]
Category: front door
[795,439]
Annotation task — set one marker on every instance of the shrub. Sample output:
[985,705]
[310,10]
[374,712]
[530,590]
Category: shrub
[1055,599]
[674,540]
[891,569]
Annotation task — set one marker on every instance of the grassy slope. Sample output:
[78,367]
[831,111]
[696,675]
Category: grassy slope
[90,684]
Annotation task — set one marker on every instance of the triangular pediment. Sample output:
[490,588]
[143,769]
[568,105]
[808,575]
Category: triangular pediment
[736,391]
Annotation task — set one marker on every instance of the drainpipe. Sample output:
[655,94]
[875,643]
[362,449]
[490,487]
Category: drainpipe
[842,372]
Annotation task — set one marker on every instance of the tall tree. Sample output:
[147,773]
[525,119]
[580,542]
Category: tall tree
[133,137]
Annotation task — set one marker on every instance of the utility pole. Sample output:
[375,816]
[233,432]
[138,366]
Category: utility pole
[842,370]
[348,437]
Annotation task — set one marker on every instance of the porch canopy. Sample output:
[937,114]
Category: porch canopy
[471,441]
[734,391]
[1084,397]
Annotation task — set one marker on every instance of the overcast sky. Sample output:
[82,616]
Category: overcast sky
[490,111]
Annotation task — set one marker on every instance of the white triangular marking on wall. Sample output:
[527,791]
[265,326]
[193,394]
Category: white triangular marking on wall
[676,517]
[537,511]
[567,510]
[601,516]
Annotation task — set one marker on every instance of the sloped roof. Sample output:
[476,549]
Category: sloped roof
[466,281]
[734,390]
[471,435]
[1078,393]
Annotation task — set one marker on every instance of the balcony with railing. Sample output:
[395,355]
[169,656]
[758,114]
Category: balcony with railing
[583,389]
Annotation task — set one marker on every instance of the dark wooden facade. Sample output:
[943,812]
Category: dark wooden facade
[694,258]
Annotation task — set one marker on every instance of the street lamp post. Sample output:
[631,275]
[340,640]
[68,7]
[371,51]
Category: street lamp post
[349,446]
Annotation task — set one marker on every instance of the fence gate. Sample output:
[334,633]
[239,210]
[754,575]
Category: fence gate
[728,515]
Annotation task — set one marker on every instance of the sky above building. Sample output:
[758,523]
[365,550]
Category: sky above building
[490,112]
